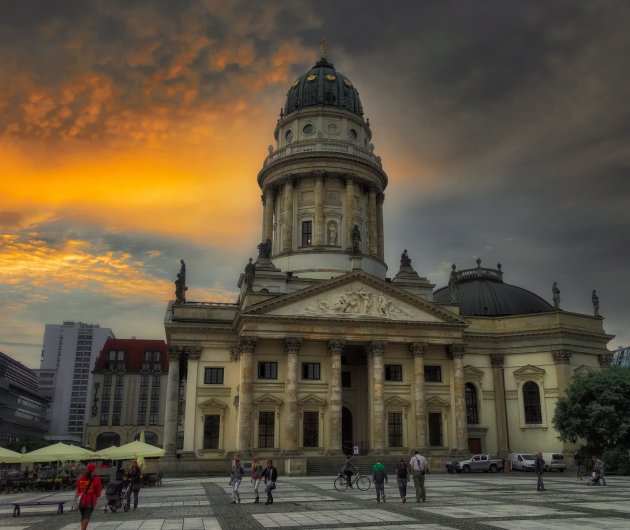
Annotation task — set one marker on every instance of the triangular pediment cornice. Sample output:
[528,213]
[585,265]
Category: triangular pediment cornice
[472,373]
[435,401]
[529,372]
[268,399]
[355,295]
[212,404]
[312,400]
[396,401]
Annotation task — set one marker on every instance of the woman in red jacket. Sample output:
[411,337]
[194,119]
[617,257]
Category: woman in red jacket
[89,487]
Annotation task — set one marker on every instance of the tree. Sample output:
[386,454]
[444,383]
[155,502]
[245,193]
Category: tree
[596,408]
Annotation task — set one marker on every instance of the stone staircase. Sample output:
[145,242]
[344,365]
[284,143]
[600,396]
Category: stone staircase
[331,465]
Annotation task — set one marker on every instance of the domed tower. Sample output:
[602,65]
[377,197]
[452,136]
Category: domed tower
[322,186]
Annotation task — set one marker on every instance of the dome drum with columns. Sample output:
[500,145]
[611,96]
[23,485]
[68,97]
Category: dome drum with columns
[321,353]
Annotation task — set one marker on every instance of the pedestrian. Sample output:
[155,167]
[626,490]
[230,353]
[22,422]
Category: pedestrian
[402,476]
[539,468]
[348,470]
[134,476]
[379,476]
[271,476]
[577,460]
[257,475]
[235,480]
[419,467]
[598,467]
[89,488]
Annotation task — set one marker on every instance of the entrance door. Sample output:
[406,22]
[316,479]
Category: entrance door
[347,437]
[474,445]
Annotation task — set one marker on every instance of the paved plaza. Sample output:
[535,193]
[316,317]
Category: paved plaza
[478,501]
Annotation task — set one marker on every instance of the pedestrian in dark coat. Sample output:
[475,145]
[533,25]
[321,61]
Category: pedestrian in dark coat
[539,468]
[134,476]
[271,476]
[402,477]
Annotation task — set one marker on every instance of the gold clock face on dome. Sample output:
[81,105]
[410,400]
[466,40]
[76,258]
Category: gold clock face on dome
[311,77]
[347,82]
[330,77]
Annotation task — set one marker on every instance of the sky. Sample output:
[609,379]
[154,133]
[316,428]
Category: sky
[132,132]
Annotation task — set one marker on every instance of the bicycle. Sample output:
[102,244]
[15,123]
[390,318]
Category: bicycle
[362,482]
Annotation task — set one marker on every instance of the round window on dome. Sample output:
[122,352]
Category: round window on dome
[311,77]
[288,136]
[352,134]
[308,128]
[347,82]
[330,77]
[295,83]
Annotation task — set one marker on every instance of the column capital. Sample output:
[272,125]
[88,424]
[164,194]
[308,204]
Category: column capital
[497,360]
[456,351]
[561,356]
[380,199]
[292,344]
[318,174]
[193,352]
[349,178]
[418,349]
[289,178]
[605,359]
[335,346]
[174,352]
[376,348]
[246,344]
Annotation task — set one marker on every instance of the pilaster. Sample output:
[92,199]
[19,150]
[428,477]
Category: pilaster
[335,348]
[190,415]
[456,352]
[291,430]
[245,350]
[376,351]
[172,401]
[417,351]
[497,362]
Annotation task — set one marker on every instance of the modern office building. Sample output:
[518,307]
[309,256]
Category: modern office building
[128,393]
[22,410]
[68,355]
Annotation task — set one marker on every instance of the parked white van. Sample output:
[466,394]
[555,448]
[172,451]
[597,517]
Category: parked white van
[554,461]
[521,461]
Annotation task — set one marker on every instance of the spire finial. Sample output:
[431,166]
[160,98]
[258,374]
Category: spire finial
[322,49]
[478,261]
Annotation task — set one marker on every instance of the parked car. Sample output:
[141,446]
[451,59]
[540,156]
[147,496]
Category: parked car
[521,461]
[554,462]
[480,462]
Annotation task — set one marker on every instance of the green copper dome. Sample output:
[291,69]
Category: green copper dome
[322,85]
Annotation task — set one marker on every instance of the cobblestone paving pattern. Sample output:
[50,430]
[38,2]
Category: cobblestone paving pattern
[477,502]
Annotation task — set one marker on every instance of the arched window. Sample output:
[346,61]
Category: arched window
[107,439]
[531,403]
[472,412]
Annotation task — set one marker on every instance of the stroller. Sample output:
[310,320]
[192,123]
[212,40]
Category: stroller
[116,494]
[595,479]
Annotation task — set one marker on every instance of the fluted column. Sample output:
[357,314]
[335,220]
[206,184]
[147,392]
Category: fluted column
[319,229]
[172,401]
[268,203]
[373,235]
[379,222]
[497,362]
[417,350]
[291,427]
[349,211]
[376,350]
[461,426]
[190,416]
[287,243]
[245,350]
[562,360]
[335,347]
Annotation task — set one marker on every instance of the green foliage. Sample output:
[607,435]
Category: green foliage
[617,461]
[596,408]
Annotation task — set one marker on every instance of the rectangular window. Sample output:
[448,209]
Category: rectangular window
[393,372]
[311,429]
[266,428]
[433,374]
[435,429]
[346,379]
[267,370]
[213,376]
[395,429]
[211,428]
[307,233]
[310,371]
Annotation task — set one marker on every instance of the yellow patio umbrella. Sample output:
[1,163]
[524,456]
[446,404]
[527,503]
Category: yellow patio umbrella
[131,451]
[58,452]
[9,457]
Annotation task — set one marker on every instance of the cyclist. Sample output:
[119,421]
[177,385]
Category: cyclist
[348,470]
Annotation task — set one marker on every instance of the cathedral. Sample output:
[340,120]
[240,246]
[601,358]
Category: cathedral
[323,354]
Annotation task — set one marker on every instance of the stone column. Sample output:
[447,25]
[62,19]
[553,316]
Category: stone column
[373,235]
[245,350]
[172,401]
[319,230]
[379,222]
[287,243]
[190,416]
[562,360]
[335,347]
[349,210]
[268,202]
[417,350]
[291,426]
[461,425]
[497,362]
[376,350]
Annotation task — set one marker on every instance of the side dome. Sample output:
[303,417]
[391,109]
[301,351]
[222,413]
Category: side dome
[481,292]
[322,85]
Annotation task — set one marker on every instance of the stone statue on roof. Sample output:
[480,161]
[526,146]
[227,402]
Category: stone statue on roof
[356,241]
[556,295]
[264,249]
[250,273]
[180,284]
[405,260]
[595,300]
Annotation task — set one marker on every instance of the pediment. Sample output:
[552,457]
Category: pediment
[356,295]
[529,372]
[212,404]
[436,401]
[268,399]
[312,400]
[396,401]
[472,373]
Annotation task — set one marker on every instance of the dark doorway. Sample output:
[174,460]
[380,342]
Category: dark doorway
[474,445]
[347,440]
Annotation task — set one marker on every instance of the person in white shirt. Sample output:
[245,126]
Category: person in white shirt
[419,466]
